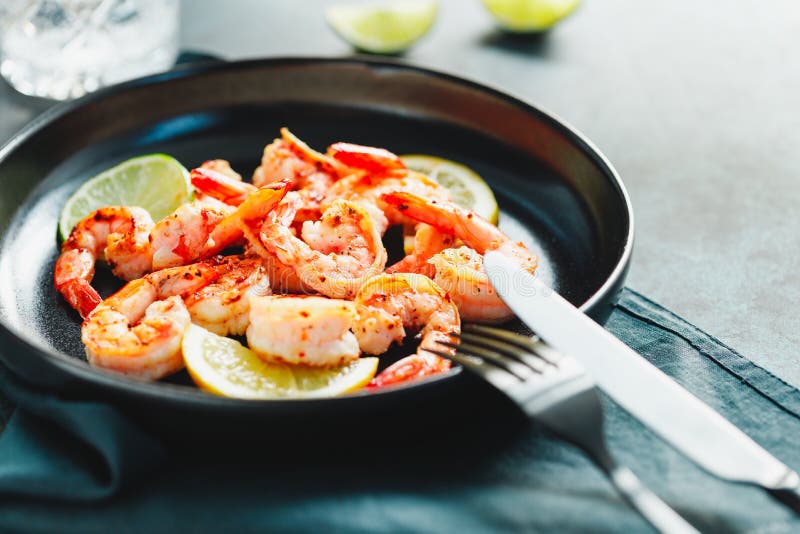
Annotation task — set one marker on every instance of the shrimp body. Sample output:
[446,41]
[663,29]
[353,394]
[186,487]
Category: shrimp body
[336,255]
[428,241]
[117,234]
[139,329]
[182,236]
[313,331]
[221,186]
[205,228]
[371,159]
[388,304]
[368,190]
[461,271]
[307,171]
[223,306]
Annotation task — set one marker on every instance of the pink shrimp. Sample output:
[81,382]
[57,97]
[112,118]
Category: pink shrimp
[117,234]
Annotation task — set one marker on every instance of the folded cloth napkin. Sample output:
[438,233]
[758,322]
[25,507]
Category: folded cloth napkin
[80,467]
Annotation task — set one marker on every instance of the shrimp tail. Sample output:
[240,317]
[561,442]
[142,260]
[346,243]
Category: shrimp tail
[72,278]
[220,186]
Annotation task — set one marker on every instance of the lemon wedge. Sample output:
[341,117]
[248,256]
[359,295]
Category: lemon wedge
[225,367]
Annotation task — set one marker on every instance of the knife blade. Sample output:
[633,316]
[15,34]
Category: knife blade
[639,387]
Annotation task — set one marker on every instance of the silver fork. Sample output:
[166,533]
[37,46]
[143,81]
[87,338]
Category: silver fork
[558,393]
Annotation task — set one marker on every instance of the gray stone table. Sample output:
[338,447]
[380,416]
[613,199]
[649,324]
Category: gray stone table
[697,104]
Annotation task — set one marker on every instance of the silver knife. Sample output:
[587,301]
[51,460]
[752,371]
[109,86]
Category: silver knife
[641,388]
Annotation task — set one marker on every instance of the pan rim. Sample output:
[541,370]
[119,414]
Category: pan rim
[175,393]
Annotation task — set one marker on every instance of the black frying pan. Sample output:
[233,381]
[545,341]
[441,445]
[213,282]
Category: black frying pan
[556,192]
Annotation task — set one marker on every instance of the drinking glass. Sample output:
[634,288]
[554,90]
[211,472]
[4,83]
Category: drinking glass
[62,49]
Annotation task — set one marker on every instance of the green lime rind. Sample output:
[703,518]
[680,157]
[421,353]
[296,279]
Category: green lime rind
[155,182]
[527,16]
[388,28]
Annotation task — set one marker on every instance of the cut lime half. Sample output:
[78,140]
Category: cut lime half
[469,190]
[529,15]
[156,182]
[225,367]
[384,28]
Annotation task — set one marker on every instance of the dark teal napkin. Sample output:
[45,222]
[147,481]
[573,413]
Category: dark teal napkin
[82,467]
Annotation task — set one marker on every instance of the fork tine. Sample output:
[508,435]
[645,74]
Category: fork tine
[518,340]
[491,357]
[522,355]
[497,376]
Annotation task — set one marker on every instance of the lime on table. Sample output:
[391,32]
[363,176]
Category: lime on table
[225,367]
[469,190]
[387,28]
[156,182]
[529,15]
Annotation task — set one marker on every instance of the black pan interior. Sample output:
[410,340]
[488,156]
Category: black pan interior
[575,219]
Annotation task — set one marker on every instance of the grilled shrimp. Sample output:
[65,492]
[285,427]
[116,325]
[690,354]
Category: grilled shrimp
[307,171]
[223,167]
[368,189]
[428,241]
[117,234]
[139,329]
[461,272]
[312,331]
[335,255]
[182,236]
[388,305]
[220,186]
[223,306]
[203,229]
[371,159]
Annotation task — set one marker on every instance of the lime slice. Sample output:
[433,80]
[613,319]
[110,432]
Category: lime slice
[225,367]
[388,28]
[156,182]
[529,15]
[469,190]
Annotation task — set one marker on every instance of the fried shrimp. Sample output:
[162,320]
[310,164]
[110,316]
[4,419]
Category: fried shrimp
[313,331]
[117,234]
[138,330]
[391,305]
[335,255]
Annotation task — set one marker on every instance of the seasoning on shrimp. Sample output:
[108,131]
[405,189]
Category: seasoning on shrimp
[313,331]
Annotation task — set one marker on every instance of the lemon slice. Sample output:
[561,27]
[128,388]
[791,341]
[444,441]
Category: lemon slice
[529,15]
[469,190]
[388,28]
[156,182]
[225,367]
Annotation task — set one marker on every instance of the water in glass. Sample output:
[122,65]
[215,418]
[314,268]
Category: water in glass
[62,49]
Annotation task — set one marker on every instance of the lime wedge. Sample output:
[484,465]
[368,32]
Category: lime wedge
[225,367]
[388,28]
[529,15]
[469,190]
[156,182]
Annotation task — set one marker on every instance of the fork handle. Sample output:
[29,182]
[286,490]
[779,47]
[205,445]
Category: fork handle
[647,503]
